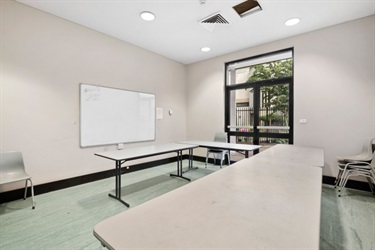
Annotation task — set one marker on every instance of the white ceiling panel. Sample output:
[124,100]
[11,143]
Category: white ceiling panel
[176,32]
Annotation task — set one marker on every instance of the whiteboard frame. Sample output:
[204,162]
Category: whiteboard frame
[85,143]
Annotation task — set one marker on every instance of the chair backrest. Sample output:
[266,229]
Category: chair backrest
[11,162]
[367,151]
[221,137]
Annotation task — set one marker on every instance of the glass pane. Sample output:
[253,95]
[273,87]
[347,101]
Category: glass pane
[236,156]
[274,109]
[266,67]
[244,140]
[261,72]
[270,70]
[243,75]
[269,142]
[242,110]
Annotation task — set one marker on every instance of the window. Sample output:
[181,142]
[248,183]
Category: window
[259,99]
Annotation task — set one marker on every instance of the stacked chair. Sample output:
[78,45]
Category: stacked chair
[362,164]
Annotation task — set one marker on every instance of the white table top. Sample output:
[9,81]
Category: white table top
[253,204]
[297,154]
[224,145]
[140,152]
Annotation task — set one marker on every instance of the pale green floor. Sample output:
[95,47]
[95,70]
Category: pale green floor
[65,219]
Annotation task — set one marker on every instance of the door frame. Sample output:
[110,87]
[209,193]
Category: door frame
[256,86]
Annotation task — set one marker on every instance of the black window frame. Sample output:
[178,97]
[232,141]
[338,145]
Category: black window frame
[257,85]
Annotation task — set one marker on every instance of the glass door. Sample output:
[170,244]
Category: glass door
[259,100]
[273,115]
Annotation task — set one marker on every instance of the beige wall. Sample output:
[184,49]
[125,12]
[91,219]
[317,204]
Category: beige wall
[43,61]
[334,89]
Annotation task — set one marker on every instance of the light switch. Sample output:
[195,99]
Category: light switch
[159,113]
[303,121]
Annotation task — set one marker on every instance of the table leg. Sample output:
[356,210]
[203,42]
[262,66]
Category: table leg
[118,184]
[190,161]
[179,166]
[190,158]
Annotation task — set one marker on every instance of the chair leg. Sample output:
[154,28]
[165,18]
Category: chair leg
[338,177]
[369,180]
[24,196]
[32,193]
[343,180]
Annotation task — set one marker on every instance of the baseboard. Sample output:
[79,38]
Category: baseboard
[359,185]
[210,160]
[75,181]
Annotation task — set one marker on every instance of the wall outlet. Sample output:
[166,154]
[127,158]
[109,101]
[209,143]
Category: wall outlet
[302,121]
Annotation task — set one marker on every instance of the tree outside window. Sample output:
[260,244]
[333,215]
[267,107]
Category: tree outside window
[275,98]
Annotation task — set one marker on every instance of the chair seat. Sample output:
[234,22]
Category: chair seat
[365,155]
[216,150]
[353,158]
[13,177]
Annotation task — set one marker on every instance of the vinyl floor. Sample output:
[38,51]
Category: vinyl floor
[65,219]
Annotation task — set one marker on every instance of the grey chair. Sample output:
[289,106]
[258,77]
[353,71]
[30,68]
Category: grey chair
[219,153]
[364,156]
[12,169]
[364,169]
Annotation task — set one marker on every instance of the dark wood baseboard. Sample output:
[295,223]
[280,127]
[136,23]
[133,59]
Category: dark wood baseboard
[75,181]
[57,185]
[359,185]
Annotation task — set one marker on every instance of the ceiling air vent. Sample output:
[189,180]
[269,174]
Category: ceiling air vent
[248,7]
[214,19]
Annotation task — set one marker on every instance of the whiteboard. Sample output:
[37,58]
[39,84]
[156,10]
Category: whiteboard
[112,116]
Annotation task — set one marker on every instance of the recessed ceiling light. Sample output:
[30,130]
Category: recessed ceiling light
[292,21]
[147,15]
[205,49]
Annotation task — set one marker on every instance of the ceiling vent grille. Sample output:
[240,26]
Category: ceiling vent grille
[215,19]
[248,7]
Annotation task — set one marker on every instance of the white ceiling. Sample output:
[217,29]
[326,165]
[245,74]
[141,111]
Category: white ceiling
[177,34]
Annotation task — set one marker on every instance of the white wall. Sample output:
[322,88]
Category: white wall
[334,89]
[43,61]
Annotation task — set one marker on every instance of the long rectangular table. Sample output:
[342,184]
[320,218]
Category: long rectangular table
[312,156]
[257,203]
[225,145]
[128,154]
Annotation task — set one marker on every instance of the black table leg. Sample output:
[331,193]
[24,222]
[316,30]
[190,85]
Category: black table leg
[190,161]
[179,167]
[118,184]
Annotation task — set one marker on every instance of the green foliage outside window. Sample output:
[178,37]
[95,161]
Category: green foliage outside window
[275,98]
